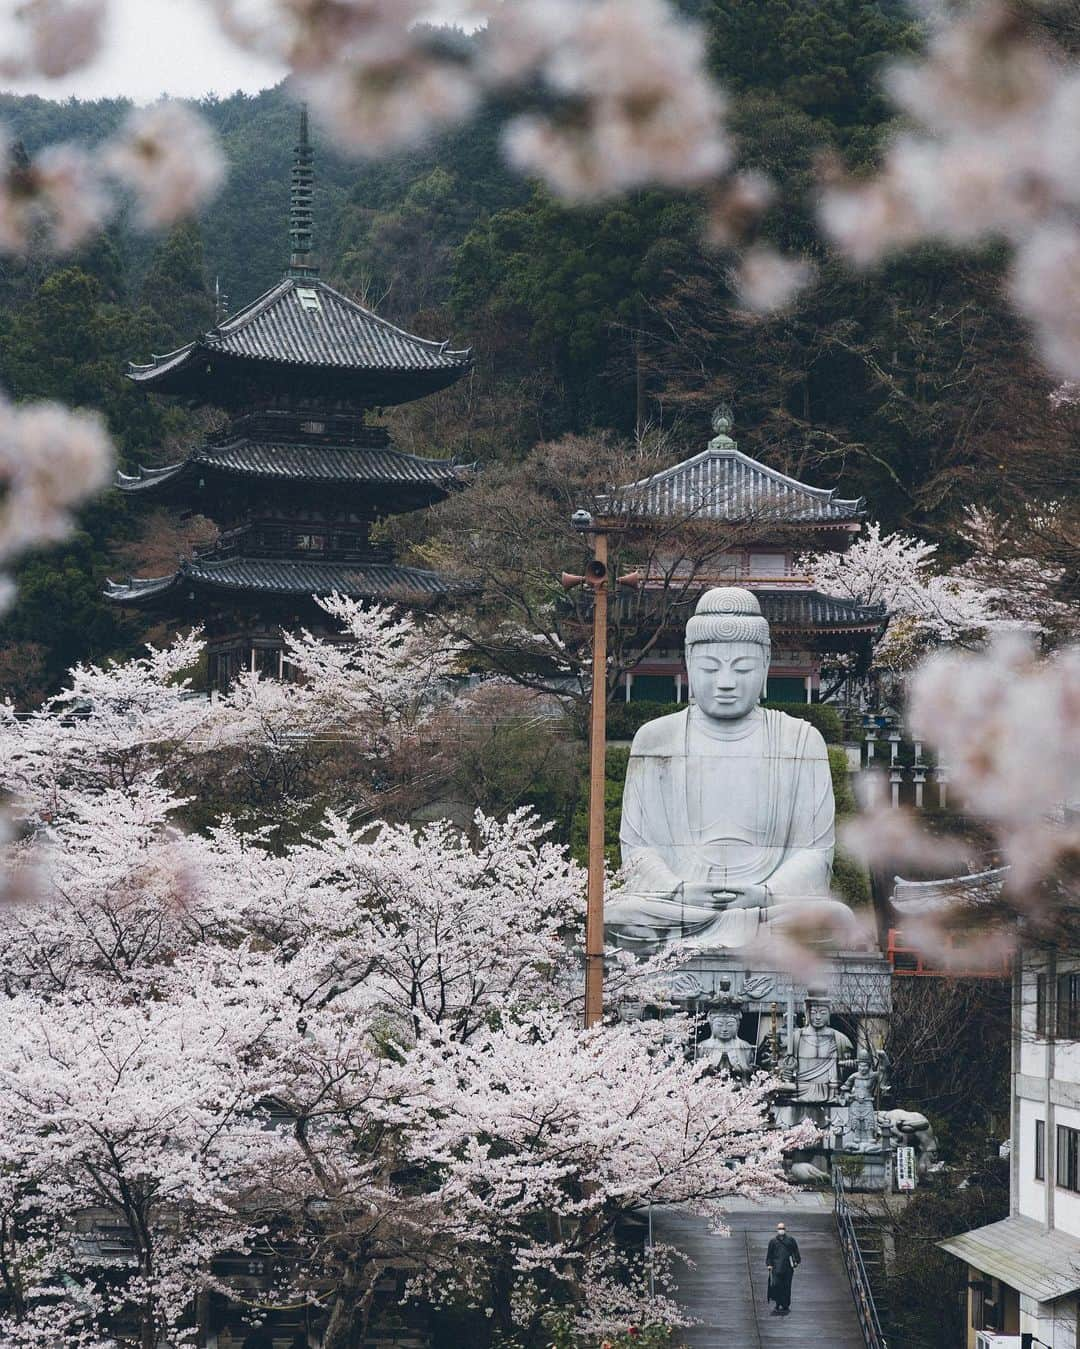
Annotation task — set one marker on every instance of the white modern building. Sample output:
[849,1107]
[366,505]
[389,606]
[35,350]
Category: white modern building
[1024,1272]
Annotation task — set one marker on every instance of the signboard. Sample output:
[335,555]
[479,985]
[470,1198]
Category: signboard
[905,1168]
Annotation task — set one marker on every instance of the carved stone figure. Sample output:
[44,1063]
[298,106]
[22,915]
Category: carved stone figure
[723,420]
[820,1056]
[861,1133]
[916,1131]
[727,814]
[729,1055]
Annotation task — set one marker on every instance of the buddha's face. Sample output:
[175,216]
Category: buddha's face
[727,678]
[724,1025]
[819,1016]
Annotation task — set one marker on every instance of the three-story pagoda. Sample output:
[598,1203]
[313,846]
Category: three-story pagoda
[300,474]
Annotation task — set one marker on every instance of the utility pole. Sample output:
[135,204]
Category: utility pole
[596,577]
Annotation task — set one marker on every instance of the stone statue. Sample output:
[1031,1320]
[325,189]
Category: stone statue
[725,1052]
[727,813]
[916,1131]
[723,420]
[861,1132]
[820,1056]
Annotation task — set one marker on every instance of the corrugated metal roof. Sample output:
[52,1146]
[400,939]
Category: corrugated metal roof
[1018,1251]
[725,484]
[311,463]
[811,609]
[270,576]
[331,332]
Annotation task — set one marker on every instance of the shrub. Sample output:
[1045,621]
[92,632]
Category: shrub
[623,719]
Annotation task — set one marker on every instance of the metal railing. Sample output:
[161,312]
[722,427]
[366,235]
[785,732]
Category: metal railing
[861,1293]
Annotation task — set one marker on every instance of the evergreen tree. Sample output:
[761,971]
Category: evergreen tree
[175,291]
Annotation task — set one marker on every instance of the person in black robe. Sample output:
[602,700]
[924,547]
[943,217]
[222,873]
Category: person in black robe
[782,1259]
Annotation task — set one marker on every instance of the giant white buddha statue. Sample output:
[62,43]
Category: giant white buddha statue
[727,814]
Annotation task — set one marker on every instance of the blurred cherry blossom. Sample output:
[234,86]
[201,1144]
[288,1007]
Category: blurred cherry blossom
[638,106]
[56,198]
[309,35]
[995,154]
[388,95]
[59,36]
[1008,725]
[736,207]
[51,460]
[766,281]
[168,156]
[1046,288]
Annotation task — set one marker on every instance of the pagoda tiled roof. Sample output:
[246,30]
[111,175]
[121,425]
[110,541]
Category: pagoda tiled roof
[303,322]
[291,462]
[723,484]
[289,577]
[951,893]
[810,610]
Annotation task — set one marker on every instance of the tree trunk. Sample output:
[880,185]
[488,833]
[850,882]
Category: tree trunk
[346,1326]
[502,1284]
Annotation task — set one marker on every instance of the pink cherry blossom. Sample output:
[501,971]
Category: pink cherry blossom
[169,158]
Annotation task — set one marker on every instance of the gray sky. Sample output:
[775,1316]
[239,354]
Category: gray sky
[155,47]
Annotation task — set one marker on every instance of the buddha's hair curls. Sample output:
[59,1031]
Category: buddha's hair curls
[727,614]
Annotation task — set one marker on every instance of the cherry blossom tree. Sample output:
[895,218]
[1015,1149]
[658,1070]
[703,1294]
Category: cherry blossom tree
[361,1047]
[924,607]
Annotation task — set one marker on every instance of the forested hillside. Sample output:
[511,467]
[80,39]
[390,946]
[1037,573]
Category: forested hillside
[613,317]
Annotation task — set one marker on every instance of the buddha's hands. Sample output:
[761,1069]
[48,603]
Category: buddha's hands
[747,897]
[710,894]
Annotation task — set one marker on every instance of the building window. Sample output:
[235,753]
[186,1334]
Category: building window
[1068,1006]
[311,543]
[1068,1158]
[1040,1149]
[1042,1007]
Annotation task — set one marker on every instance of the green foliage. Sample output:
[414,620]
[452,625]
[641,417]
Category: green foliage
[175,290]
[574,284]
[823,57]
[614,777]
[926,1286]
[623,719]
[902,386]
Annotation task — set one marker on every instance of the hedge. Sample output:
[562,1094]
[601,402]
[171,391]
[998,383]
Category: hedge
[623,719]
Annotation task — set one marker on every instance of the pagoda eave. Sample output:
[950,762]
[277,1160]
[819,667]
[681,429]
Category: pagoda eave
[385,481]
[223,380]
[251,579]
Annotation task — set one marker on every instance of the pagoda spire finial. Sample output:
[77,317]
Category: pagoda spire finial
[301,259]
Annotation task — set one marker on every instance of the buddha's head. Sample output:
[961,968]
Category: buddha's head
[724,1024]
[818,1014]
[727,653]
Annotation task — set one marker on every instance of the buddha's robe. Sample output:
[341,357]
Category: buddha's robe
[730,1058]
[820,1056]
[746,803]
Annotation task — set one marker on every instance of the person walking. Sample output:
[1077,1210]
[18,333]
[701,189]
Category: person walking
[782,1259]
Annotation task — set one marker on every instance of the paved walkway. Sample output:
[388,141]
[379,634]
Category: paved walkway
[726,1290]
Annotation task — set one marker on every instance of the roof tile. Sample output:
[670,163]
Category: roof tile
[331,331]
[269,576]
[725,484]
